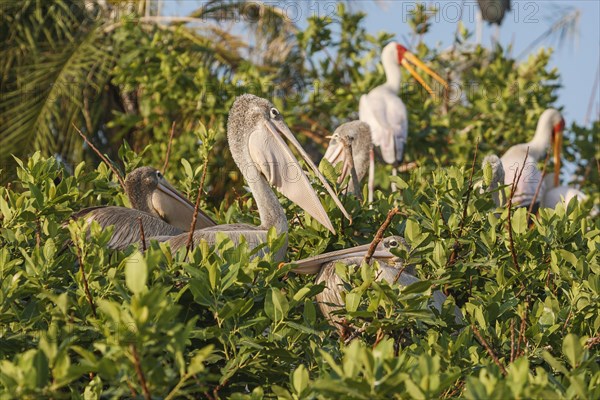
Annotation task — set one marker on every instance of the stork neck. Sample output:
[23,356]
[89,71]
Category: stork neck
[392,74]
[541,139]
[270,210]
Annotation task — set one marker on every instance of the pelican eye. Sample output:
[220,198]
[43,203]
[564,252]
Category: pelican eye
[159,175]
[274,112]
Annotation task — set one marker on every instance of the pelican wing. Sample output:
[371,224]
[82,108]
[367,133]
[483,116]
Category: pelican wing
[253,235]
[126,222]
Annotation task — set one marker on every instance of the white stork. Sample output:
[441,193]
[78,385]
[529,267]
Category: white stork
[549,131]
[384,111]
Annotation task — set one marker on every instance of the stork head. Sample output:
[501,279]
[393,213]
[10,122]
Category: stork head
[554,118]
[398,54]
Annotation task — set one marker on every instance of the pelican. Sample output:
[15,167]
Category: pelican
[351,144]
[162,209]
[384,111]
[256,132]
[391,269]
[493,174]
[549,131]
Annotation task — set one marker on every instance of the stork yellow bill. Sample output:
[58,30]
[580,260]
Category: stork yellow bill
[557,139]
[405,58]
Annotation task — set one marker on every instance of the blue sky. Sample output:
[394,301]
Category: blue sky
[577,60]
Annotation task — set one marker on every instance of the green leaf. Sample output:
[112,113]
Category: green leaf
[300,379]
[400,183]
[136,272]
[276,305]
[197,362]
[352,301]
[572,349]
[412,230]
[519,220]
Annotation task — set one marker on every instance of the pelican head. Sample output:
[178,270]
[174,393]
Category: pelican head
[398,54]
[383,253]
[256,132]
[149,191]
[357,136]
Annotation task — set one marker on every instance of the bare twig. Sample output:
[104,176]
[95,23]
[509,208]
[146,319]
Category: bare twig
[190,241]
[142,234]
[85,282]
[451,392]
[379,235]
[102,157]
[138,370]
[522,331]
[356,333]
[407,167]
[378,337]
[164,169]
[38,234]
[539,185]
[456,245]
[516,179]
[488,349]
[593,341]
[512,340]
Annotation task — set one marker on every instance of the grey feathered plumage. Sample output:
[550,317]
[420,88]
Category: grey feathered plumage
[330,299]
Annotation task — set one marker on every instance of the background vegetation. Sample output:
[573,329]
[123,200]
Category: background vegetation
[220,325]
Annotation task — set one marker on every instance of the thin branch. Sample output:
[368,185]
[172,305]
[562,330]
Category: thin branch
[522,331]
[379,235]
[102,157]
[164,169]
[188,246]
[593,341]
[407,167]
[456,245]
[85,282]
[539,185]
[139,372]
[142,234]
[356,333]
[516,179]
[190,241]
[38,230]
[512,340]
[488,349]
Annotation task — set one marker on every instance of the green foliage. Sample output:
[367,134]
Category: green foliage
[224,323]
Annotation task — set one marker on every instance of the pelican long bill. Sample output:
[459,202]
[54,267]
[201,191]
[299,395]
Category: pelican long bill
[175,208]
[276,162]
[312,265]
[279,129]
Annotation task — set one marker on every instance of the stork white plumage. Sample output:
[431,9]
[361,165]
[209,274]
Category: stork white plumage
[549,131]
[554,195]
[384,111]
